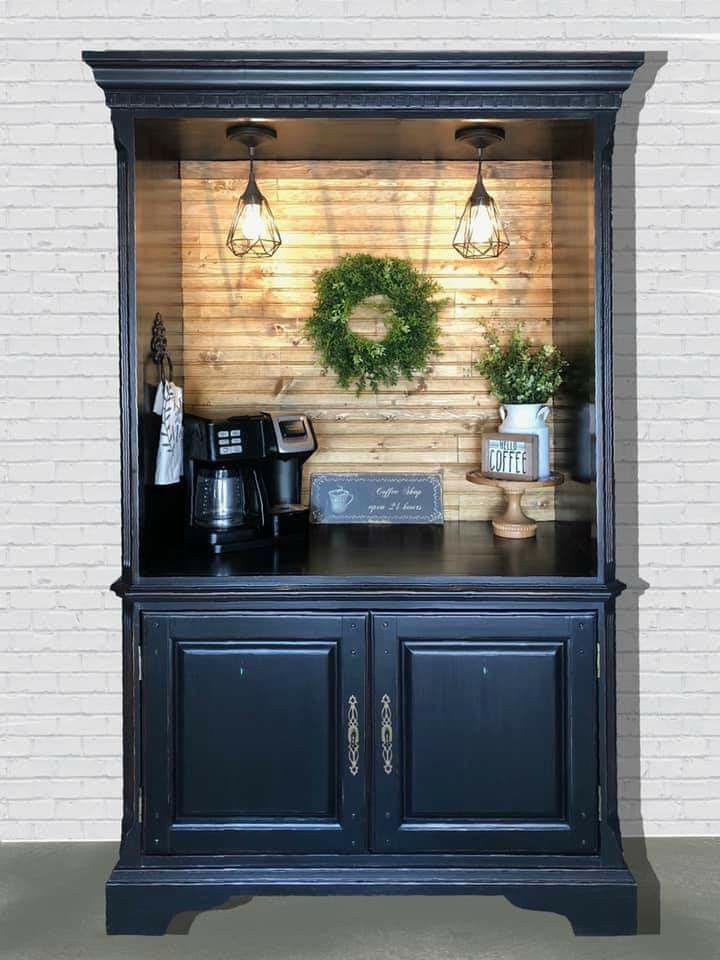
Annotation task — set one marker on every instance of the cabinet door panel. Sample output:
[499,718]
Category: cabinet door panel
[464,743]
[253,733]
[485,733]
[261,744]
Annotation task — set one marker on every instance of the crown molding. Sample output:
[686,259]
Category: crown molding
[362,82]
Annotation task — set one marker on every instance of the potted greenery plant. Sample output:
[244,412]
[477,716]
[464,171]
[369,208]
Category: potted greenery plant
[523,377]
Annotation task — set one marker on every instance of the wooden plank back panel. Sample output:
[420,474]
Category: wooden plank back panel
[244,343]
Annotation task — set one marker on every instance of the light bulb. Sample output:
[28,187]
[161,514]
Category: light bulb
[481,226]
[251,222]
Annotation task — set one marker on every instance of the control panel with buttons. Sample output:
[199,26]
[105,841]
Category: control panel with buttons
[229,442]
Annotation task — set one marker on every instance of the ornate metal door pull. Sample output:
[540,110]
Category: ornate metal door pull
[353,735]
[386,733]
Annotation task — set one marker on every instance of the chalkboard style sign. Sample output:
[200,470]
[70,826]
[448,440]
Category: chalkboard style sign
[376,498]
[510,456]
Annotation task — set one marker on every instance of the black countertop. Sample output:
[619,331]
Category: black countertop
[354,551]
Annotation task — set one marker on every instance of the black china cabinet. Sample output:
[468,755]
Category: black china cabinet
[386,710]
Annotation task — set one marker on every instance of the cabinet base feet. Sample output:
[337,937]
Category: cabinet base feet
[154,901]
[603,911]
[153,909]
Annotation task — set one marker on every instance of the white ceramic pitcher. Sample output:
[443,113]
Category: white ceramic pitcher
[529,418]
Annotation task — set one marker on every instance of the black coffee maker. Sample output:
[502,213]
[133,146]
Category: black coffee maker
[243,479]
[226,501]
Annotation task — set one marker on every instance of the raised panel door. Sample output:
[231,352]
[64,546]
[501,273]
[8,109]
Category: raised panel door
[485,730]
[253,733]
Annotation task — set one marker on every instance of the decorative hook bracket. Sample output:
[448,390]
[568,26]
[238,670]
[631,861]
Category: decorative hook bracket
[158,348]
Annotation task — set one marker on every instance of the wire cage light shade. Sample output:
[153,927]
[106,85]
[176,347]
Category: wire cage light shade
[253,229]
[480,233]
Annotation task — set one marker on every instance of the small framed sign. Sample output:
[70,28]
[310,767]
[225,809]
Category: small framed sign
[376,498]
[510,456]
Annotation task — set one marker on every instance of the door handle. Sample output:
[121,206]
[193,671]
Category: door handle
[386,733]
[353,735]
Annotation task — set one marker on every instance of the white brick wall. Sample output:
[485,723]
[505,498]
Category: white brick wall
[59,642]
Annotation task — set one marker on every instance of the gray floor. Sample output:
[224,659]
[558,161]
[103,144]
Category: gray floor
[51,907]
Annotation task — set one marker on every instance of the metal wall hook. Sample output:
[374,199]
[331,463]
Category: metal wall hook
[158,349]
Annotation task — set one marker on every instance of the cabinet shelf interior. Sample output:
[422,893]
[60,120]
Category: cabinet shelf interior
[382,186]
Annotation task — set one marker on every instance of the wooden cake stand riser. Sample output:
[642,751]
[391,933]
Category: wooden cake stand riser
[514,524]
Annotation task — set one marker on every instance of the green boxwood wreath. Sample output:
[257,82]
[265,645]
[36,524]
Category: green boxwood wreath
[411,320]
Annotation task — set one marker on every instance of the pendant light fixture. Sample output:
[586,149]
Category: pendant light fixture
[480,234]
[253,230]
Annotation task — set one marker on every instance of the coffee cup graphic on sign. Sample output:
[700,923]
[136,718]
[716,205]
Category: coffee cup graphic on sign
[339,499]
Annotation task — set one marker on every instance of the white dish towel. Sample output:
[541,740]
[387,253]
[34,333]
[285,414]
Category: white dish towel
[169,406]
